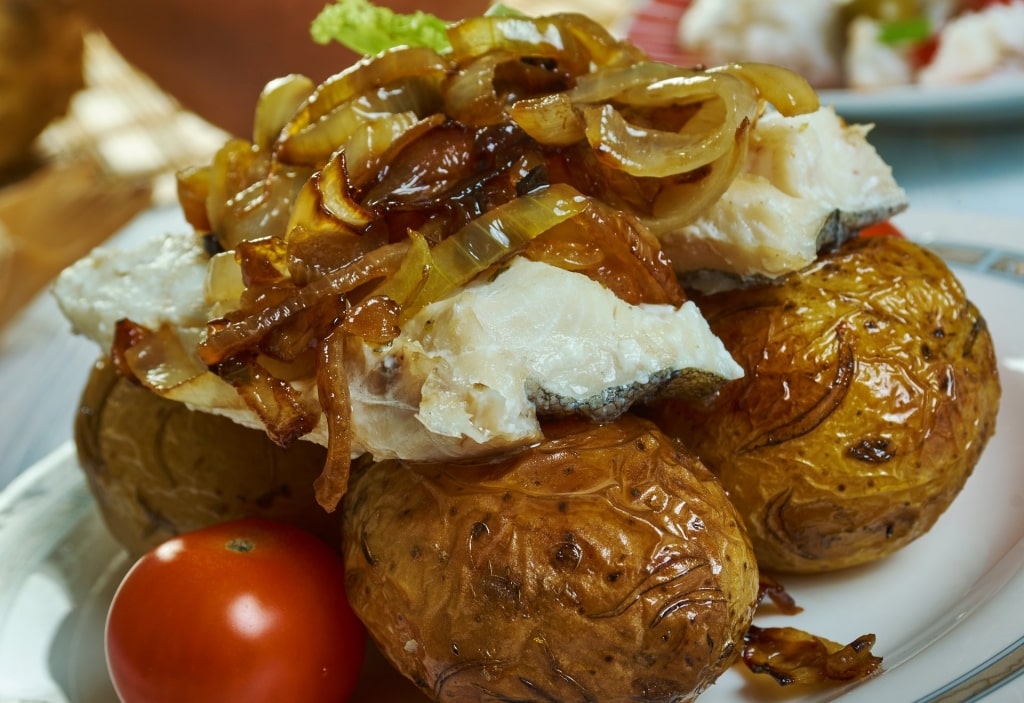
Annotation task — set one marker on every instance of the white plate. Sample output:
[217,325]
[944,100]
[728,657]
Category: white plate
[995,100]
[652,26]
[946,610]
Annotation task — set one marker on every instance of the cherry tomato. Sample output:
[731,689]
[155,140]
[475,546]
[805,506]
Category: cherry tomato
[882,229]
[250,610]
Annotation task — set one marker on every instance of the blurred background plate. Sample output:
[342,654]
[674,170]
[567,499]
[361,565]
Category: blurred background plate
[653,25]
[998,99]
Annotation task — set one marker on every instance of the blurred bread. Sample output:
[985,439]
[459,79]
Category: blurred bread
[41,47]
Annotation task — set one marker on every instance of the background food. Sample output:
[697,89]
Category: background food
[40,69]
[871,389]
[859,44]
[484,581]
[158,469]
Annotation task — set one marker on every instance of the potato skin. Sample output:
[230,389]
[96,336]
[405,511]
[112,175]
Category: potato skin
[605,564]
[871,389]
[157,468]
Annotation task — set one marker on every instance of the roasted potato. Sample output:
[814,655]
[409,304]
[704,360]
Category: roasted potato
[157,468]
[869,393]
[605,564]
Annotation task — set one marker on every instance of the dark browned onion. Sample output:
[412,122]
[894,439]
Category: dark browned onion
[237,337]
[333,392]
[792,656]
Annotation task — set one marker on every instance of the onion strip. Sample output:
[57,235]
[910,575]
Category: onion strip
[236,337]
[282,409]
[659,153]
[277,104]
[333,391]
[320,125]
[789,92]
[487,240]
[679,204]
[552,120]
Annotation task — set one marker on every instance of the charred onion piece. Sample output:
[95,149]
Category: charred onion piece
[282,409]
[235,337]
[332,389]
[774,591]
[791,656]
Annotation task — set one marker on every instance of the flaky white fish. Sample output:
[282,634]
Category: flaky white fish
[470,374]
[810,181]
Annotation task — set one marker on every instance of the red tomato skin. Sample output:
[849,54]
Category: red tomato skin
[199,621]
[882,229]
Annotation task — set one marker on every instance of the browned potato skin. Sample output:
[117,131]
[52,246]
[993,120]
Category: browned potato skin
[158,469]
[605,564]
[871,389]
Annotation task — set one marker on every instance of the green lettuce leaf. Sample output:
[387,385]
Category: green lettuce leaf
[911,29]
[369,29]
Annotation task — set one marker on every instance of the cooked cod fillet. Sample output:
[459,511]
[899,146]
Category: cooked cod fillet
[809,181]
[469,375]
[478,368]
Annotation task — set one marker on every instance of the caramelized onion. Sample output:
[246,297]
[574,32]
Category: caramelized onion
[484,242]
[471,96]
[232,172]
[323,123]
[370,146]
[614,249]
[789,92]
[236,337]
[166,364]
[332,185]
[792,656]
[552,120]
[659,153]
[333,392]
[224,282]
[602,86]
[156,358]
[277,104]
[681,202]
[193,188]
[284,412]
[521,36]
[404,177]
[575,41]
